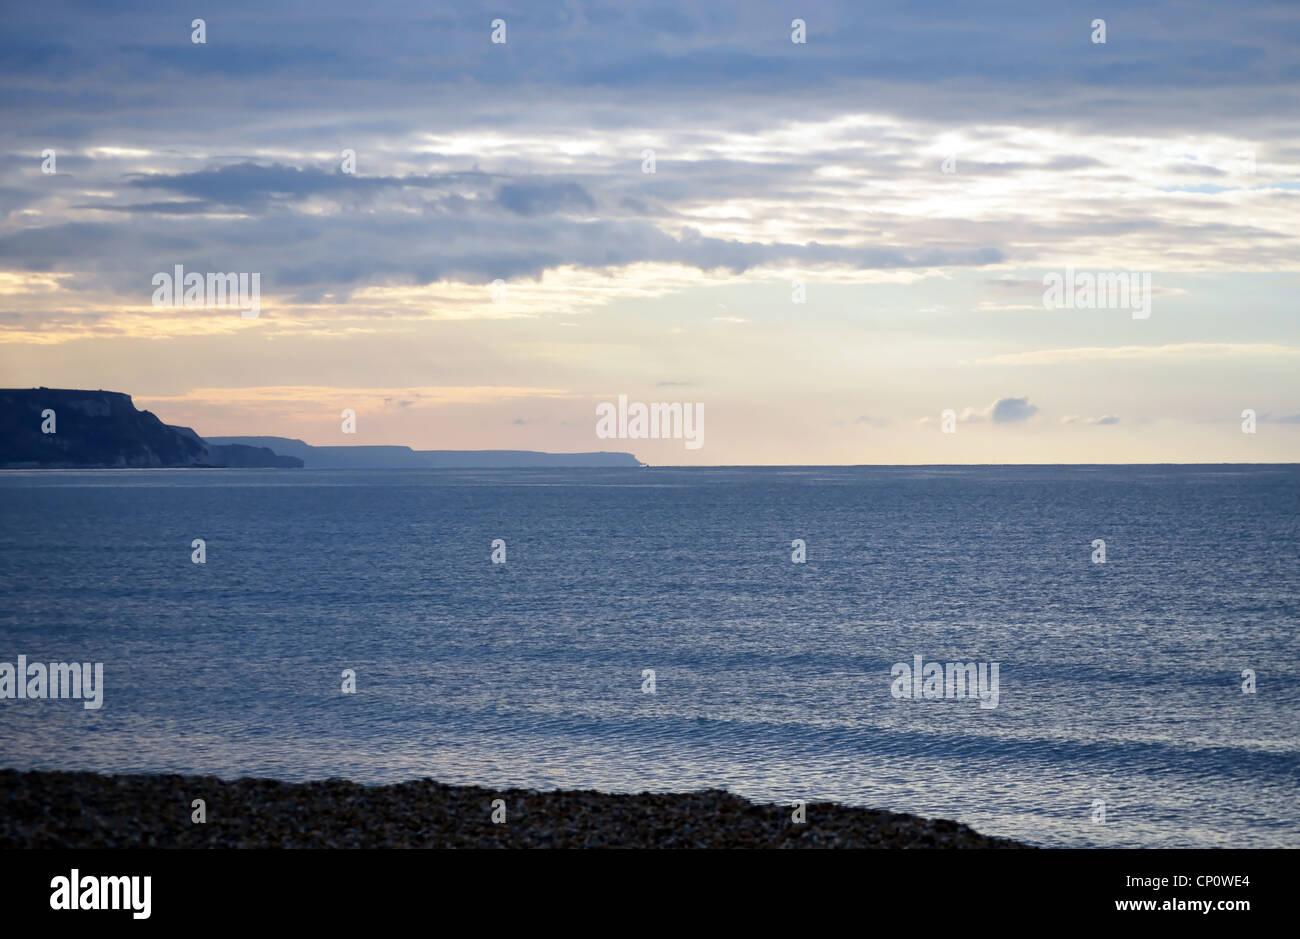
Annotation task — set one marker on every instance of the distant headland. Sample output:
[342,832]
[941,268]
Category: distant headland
[59,428]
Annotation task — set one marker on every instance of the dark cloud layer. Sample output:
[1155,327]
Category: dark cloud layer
[100,84]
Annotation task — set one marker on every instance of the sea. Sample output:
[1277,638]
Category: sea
[674,629]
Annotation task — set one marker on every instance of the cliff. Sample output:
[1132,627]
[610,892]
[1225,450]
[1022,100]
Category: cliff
[395,457]
[93,429]
[104,429]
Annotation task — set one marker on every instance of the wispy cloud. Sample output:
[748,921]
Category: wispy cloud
[278,395]
[1103,421]
[1173,350]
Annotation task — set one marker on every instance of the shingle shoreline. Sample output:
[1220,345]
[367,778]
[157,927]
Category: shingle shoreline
[87,810]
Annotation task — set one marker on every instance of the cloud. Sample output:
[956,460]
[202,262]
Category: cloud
[1102,421]
[320,254]
[541,197]
[277,396]
[253,184]
[477,162]
[1012,410]
[1030,62]
[1169,351]
[1001,411]
[190,207]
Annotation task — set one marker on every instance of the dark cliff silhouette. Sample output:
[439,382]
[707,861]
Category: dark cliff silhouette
[96,429]
[103,429]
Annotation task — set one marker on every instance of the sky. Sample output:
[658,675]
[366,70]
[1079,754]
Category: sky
[841,239]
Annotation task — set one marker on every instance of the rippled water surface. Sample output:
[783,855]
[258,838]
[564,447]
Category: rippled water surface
[1118,682]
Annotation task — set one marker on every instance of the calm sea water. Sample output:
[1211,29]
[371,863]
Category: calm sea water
[1119,682]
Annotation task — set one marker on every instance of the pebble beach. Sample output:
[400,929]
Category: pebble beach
[87,810]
